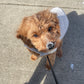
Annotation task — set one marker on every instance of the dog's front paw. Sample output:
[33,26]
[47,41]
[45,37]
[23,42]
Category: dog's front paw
[33,57]
[47,67]
[59,53]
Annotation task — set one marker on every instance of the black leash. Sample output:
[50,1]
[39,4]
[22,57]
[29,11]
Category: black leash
[52,71]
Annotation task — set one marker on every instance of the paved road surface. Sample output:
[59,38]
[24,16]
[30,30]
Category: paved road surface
[15,64]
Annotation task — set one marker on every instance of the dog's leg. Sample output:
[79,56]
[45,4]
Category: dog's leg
[52,60]
[34,57]
[59,50]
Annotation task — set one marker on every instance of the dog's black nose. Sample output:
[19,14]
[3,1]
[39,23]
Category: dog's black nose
[50,46]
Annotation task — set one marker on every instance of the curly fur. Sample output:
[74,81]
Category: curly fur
[34,32]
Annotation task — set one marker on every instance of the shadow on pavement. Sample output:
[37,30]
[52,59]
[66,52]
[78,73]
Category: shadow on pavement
[73,42]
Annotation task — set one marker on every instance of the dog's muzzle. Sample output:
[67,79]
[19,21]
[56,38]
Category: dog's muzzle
[50,45]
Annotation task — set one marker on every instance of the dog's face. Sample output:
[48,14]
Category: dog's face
[40,30]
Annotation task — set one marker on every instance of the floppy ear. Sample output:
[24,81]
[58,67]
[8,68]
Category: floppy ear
[21,33]
[58,42]
[57,26]
[58,30]
[22,29]
[18,35]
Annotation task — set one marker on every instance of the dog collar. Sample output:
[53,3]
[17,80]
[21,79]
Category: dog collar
[40,53]
[63,22]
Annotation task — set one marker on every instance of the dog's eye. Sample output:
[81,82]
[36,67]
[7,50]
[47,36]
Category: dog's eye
[49,29]
[35,35]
